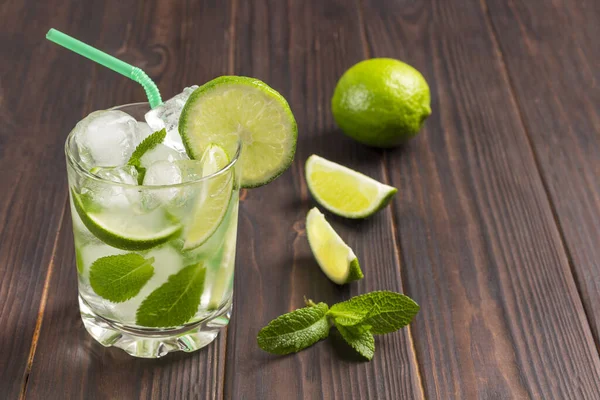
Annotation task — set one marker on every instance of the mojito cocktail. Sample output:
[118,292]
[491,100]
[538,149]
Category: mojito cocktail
[154,199]
[154,237]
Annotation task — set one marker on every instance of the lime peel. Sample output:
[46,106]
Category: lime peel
[108,226]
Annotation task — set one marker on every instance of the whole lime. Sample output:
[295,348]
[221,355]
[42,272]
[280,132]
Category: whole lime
[381,102]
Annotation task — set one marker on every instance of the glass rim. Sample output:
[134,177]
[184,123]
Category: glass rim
[72,161]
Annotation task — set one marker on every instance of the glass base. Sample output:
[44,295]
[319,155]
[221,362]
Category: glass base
[148,344]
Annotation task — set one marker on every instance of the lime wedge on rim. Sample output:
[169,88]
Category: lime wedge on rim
[123,229]
[345,192]
[230,109]
[213,202]
[335,258]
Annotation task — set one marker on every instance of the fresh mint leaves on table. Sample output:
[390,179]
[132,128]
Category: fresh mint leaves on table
[146,145]
[295,331]
[121,277]
[361,340]
[384,312]
[357,320]
[176,301]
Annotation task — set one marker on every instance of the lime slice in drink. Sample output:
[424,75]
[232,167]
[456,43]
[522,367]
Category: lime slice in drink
[335,258]
[214,198]
[123,229]
[224,275]
[230,109]
[345,192]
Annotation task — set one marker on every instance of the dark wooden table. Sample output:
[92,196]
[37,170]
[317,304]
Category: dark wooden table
[495,230]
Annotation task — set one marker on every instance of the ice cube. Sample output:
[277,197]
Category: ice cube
[191,170]
[161,153]
[127,174]
[143,130]
[108,195]
[163,173]
[106,138]
[167,115]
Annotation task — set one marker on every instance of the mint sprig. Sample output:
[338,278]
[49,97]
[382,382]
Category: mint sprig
[357,320]
[360,340]
[145,146]
[383,311]
[121,277]
[295,331]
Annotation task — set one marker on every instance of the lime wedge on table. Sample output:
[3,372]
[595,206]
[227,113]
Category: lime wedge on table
[335,258]
[123,229]
[214,199]
[345,192]
[233,108]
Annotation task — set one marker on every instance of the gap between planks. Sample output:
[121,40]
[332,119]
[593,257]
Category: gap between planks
[230,71]
[517,105]
[44,296]
[42,308]
[386,179]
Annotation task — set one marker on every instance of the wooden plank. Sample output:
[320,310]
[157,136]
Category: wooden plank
[41,96]
[555,75]
[501,316]
[169,43]
[301,48]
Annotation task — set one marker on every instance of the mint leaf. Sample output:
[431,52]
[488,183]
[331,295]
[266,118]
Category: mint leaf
[176,301]
[121,277]
[295,331]
[145,146]
[141,174]
[359,339]
[384,311]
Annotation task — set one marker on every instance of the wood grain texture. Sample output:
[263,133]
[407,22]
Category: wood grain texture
[501,316]
[37,109]
[301,48]
[555,74]
[472,234]
[173,48]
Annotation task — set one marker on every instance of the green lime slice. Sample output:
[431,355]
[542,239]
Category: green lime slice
[124,229]
[345,192]
[233,108]
[224,275]
[335,258]
[214,198]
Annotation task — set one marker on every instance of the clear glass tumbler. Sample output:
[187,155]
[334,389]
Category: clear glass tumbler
[154,263]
